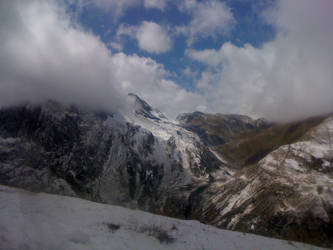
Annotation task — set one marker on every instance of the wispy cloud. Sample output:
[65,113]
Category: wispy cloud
[150,36]
[209,19]
[159,4]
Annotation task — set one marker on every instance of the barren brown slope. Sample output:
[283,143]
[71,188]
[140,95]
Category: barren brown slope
[249,147]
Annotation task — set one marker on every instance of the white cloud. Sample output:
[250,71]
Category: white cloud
[209,19]
[153,38]
[159,4]
[45,56]
[126,30]
[190,73]
[116,46]
[208,56]
[288,78]
[150,36]
[235,77]
[116,7]
[149,80]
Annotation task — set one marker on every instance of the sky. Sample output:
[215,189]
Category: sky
[265,58]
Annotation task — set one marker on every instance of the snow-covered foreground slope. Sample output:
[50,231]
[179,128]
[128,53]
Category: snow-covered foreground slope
[43,221]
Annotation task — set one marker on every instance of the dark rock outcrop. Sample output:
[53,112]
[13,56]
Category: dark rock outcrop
[100,156]
[140,159]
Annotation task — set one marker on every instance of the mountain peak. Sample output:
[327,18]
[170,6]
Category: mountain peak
[141,103]
[142,108]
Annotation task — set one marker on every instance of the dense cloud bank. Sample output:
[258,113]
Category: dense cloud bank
[287,78]
[44,54]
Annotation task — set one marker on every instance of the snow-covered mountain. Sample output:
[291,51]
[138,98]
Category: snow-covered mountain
[43,221]
[136,158]
[286,194]
[235,179]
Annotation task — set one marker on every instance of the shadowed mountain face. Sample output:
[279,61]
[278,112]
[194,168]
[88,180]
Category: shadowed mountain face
[241,174]
[125,159]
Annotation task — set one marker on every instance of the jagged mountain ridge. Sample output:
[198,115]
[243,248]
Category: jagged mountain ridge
[142,159]
[113,158]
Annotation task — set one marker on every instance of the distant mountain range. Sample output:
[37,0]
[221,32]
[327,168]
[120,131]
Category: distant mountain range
[229,171]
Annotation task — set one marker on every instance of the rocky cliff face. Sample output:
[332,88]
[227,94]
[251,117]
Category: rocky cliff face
[139,158]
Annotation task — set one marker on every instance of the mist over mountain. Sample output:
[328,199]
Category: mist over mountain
[229,171]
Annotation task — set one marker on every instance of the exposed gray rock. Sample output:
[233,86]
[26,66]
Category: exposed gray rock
[138,159]
[141,159]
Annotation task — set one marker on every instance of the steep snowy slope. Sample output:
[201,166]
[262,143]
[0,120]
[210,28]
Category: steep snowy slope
[43,221]
[288,194]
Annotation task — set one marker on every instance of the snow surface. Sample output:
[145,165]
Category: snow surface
[187,144]
[306,166]
[43,221]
